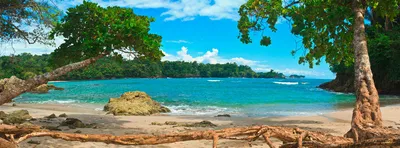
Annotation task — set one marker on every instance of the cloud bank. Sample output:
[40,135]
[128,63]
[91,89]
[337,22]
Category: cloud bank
[184,10]
[211,57]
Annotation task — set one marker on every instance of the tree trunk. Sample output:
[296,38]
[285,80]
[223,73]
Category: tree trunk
[13,87]
[366,114]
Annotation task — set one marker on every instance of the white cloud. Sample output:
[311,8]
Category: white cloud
[213,57]
[22,46]
[178,41]
[185,10]
[244,61]
[262,68]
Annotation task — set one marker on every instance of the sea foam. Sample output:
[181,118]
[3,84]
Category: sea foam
[287,83]
[197,110]
[59,101]
[214,80]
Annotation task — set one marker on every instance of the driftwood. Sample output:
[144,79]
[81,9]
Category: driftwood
[292,137]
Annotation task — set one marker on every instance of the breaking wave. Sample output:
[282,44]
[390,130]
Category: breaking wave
[287,83]
[214,80]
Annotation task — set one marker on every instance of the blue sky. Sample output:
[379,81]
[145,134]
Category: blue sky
[205,31]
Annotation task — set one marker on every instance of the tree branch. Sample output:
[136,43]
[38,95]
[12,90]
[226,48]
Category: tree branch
[22,33]
[18,86]
[292,3]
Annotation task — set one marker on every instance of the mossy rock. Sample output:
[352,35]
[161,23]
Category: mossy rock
[2,115]
[17,117]
[73,123]
[44,88]
[134,103]
[223,115]
[203,124]
[51,116]
[63,115]
[52,128]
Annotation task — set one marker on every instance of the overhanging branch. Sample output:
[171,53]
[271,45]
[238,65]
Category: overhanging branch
[292,3]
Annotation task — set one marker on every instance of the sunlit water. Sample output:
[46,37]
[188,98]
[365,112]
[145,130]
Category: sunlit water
[210,96]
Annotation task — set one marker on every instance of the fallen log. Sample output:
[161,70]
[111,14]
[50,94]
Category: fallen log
[292,137]
[239,133]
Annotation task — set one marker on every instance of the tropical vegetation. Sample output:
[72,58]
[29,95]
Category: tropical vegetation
[334,31]
[26,66]
[384,54]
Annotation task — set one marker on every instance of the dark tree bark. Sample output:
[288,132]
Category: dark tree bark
[366,113]
[13,87]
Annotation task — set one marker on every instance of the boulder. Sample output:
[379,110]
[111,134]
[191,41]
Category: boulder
[52,128]
[202,124]
[44,88]
[78,131]
[134,103]
[12,84]
[63,115]
[223,115]
[73,123]
[2,115]
[17,117]
[51,116]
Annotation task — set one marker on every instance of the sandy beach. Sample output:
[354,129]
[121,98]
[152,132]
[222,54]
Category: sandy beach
[336,123]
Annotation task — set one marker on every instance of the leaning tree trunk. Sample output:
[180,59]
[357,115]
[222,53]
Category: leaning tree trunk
[13,87]
[366,114]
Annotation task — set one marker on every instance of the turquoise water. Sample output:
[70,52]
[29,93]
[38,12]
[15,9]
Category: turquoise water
[209,96]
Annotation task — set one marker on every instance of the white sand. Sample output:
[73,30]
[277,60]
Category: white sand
[336,123]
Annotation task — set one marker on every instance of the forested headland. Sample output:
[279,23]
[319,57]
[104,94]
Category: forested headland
[27,65]
[384,55]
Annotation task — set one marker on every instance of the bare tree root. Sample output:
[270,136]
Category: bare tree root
[291,137]
[359,133]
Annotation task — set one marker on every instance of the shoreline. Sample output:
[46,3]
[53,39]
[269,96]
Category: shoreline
[98,108]
[335,123]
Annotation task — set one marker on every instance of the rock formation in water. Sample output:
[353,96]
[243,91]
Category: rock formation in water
[134,103]
[344,82]
[44,88]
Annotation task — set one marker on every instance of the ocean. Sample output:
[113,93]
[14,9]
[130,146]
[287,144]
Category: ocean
[243,97]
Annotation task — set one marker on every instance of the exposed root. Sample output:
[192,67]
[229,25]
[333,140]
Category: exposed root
[292,137]
[359,133]
[300,140]
[266,138]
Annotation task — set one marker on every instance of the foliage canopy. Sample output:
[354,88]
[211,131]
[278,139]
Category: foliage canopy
[90,30]
[384,56]
[27,20]
[26,66]
[325,26]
